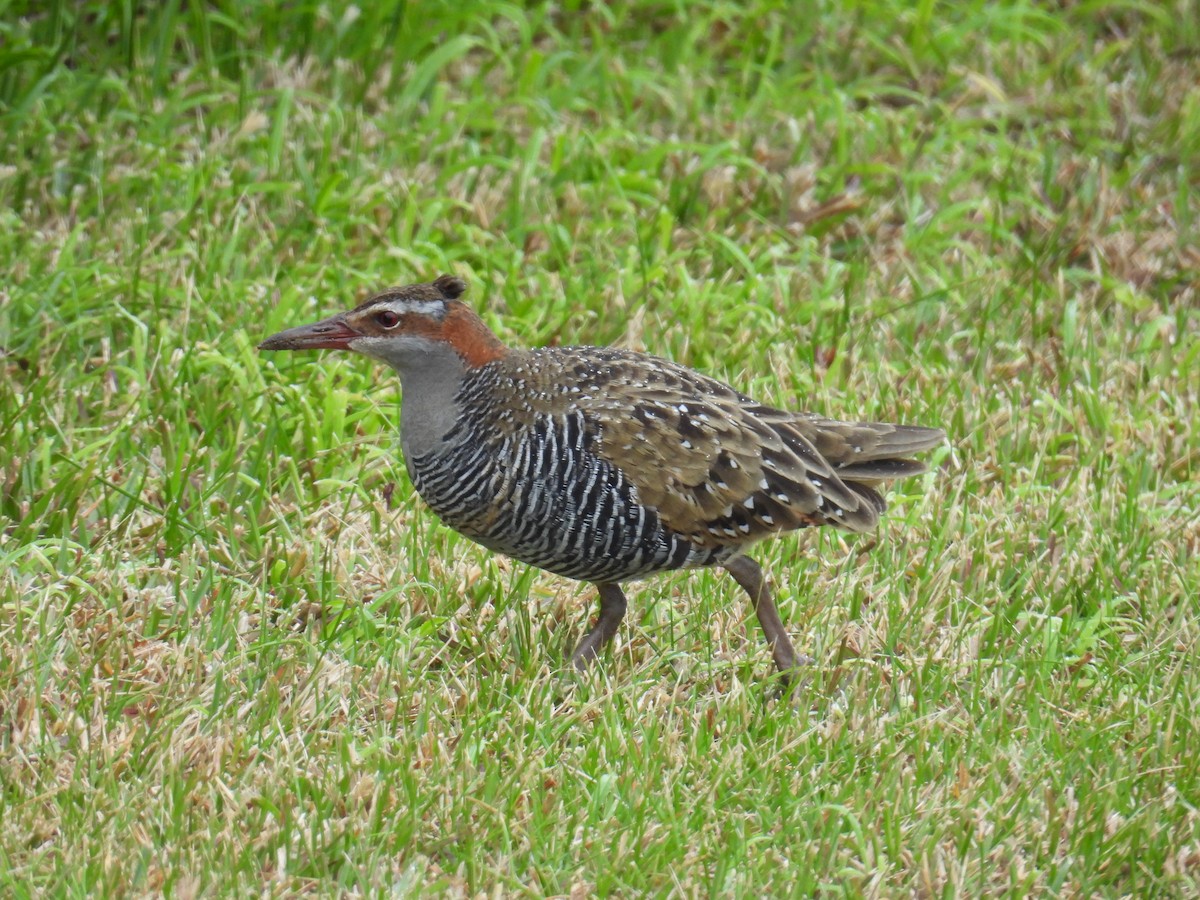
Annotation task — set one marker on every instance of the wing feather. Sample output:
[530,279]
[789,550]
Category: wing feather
[721,468]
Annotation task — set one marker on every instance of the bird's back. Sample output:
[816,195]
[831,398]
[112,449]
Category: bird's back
[606,465]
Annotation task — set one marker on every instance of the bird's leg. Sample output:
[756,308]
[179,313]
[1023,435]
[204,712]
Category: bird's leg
[748,574]
[612,611]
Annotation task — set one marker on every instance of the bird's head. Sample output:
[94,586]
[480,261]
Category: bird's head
[403,327]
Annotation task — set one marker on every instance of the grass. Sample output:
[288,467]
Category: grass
[238,656]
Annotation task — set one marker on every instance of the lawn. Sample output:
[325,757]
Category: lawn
[237,654]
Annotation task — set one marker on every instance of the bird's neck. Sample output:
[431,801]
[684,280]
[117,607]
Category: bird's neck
[469,336]
[429,406]
[431,364]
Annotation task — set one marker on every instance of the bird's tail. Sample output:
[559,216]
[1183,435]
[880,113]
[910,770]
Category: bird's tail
[865,454]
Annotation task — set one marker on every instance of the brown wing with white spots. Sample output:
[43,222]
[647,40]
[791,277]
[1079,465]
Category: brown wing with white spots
[717,466]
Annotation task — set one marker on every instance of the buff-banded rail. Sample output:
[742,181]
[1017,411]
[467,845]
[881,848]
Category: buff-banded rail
[606,465]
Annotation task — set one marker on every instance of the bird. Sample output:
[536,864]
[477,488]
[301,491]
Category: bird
[606,465]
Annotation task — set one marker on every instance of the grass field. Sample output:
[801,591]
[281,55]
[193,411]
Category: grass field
[238,656]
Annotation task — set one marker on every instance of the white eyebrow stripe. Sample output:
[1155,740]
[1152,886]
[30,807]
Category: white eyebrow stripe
[433,308]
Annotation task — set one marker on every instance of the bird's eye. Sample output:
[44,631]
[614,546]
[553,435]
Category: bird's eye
[387,319]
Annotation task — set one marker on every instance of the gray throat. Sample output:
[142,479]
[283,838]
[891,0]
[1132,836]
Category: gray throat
[429,382]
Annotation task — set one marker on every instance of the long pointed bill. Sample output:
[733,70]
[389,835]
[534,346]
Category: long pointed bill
[331,334]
